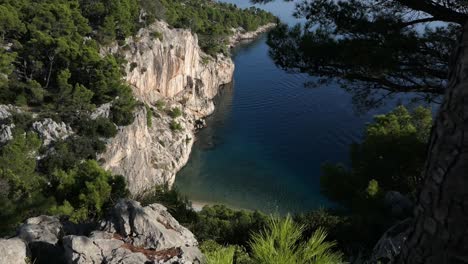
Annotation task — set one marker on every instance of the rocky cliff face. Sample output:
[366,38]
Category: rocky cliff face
[167,70]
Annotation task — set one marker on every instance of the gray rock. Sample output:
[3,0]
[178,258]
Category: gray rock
[102,111]
[97,248]
[399,204]
[135,234]
[200,123]
[50,131]
[389,245]
[5,111]
[13,251]
[42,234]
[6,133]
[43,228]
[149,227]
[101,247]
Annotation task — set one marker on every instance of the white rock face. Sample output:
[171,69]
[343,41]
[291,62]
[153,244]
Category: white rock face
[45,229]
[6,110]
[6,133]
[49,130]
[165,68]
[6,128]
[173,70]
[149,155]
[13,251]
[102,111]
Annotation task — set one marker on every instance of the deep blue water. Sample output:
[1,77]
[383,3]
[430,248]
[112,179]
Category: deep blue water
[264,145]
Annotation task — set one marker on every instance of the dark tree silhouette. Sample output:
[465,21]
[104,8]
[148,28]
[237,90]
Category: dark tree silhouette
[376,43]
[373,48]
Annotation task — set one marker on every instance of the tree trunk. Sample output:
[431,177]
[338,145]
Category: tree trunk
[440,228]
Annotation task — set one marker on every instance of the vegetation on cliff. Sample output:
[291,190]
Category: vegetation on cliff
[51,68]
[54,70]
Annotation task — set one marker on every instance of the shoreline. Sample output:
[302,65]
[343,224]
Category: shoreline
[240,36]
[198,205]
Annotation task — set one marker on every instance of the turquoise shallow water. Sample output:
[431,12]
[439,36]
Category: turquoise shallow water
[265,143]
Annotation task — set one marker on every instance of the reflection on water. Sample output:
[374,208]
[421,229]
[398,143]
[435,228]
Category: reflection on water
[208,139]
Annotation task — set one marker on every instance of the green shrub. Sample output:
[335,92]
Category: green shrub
[99,127]
[216,254]
[175,112]
[149,116]
[160,105]
[83,191]
[175,126]
[21,194]
[122,109]
[280,242]
[179,206]
[69,152]
[22,120]
[205,60]
[227,226]
[133,66]
[156,35]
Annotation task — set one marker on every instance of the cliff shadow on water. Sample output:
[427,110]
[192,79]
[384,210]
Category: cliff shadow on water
[207,138]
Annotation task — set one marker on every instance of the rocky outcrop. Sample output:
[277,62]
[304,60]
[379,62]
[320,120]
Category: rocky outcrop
[389,246]
[131,234]
[102,111]
[50,131]
[7,110]
[6,127]
[43,234]
[6,133]
[148,227]
[13,251]
[167,70]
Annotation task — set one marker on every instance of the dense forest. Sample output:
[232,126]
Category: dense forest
[213,21]
[51,68]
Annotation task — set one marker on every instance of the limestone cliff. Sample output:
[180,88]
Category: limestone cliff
[167,70]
